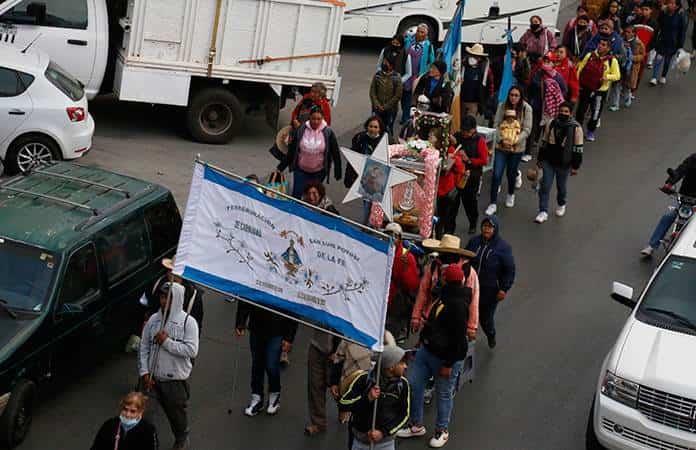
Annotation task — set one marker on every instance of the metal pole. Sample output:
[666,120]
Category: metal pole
[165,317]
[289,197]
[374,407]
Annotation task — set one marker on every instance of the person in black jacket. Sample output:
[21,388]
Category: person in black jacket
[495,267]
[686,173]
[443,349]
[128,431]
[269,334]
[434,87]
[392,393]
[364,142]
[312,150]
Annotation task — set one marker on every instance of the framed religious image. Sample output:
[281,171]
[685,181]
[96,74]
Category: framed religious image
[373,182]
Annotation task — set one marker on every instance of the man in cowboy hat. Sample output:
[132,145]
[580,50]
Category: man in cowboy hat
[447,312]
[477,81]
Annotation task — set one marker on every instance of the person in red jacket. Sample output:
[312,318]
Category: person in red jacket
[473,150]
[405,279]
[316,96]
[568,71]
[447,198]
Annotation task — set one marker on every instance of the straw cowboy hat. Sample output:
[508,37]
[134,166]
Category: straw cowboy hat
[448,244]
[281,139]
[476,50]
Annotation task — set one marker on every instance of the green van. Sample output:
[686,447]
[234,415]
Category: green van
[78,247]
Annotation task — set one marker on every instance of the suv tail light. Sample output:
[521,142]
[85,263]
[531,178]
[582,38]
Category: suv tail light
[76,113]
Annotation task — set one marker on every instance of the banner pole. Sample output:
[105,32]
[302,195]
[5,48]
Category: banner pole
[374,407]
[290,197]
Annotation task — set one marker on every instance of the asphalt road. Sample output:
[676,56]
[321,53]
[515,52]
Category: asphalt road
[532,392]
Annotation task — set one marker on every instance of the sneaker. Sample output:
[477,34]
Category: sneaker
[653,81]
[510,200]
[518,180]
[273,403]
[412,431]
[629,101]
[647,251]
[542,217]
[561,210]
[439,439]
[591,136]
[526,157]
[492,209]
[491,341]
[663,80]
[255,405]
[613,108]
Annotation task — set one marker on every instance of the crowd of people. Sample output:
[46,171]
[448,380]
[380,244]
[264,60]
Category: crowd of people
[441,292]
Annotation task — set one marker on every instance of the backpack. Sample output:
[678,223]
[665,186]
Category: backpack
[592,73]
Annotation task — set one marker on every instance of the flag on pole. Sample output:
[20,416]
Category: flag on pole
[451,55]
[508,78]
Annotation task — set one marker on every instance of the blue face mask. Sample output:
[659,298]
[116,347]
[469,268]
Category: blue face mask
[128,423]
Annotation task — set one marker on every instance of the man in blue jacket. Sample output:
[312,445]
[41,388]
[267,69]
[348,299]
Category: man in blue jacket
[495,266]
[616,43]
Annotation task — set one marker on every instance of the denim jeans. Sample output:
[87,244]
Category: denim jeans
[301,179]
[561,175]
[504,162]
[614,96]
[427,365]
[663,61]
[662,227]
[265,359]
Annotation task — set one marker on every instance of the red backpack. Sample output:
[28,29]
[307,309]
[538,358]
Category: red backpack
[592,73]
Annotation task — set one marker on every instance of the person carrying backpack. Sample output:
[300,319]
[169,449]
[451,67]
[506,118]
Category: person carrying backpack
[596,72]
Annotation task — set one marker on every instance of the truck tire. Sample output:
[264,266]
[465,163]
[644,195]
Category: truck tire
[28,150]
[17,417]
[414,21]
[214,116]
[591,441]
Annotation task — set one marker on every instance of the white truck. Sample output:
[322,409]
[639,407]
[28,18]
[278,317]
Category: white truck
[484,21]
[216,58]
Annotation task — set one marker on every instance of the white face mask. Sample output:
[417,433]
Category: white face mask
[472,61]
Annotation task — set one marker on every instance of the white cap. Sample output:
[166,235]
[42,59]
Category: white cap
[393,227]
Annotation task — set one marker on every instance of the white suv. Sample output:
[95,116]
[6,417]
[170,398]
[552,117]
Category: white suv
[646,393]
[43,111]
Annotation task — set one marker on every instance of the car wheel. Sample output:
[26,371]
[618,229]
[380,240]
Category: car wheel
[17,417]
[214,116]
[30,151]
[591,441]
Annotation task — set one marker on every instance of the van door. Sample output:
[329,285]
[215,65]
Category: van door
[79,311]
[66,30]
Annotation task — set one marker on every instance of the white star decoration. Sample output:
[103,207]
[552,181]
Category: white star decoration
[376,176]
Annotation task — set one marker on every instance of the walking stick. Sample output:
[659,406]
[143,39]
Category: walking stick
[374,407]
[155,359]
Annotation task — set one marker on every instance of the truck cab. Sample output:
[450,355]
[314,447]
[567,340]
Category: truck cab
[74,32]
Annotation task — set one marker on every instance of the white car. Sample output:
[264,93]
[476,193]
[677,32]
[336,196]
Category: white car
[646,393]
[43,111]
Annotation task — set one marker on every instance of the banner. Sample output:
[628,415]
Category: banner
[451,55]
[508,77]
[284,256]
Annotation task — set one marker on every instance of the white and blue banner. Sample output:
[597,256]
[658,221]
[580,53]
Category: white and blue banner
[285,256]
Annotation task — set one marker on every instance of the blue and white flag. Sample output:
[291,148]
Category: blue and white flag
[451,54]
[508,77]
[284,256]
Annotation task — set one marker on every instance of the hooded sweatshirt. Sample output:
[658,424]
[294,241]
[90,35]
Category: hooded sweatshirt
[493,262]
[173,360]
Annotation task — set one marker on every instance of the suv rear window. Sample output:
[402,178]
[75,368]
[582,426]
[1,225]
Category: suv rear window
[26,274]
[65,82]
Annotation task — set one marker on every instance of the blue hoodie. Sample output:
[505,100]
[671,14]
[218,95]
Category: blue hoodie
[617,46]
[494,263]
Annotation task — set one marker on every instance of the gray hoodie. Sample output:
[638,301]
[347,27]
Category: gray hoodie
[175,353]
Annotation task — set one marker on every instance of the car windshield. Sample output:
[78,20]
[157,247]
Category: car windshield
[26,275]
[65,82]
[671,299]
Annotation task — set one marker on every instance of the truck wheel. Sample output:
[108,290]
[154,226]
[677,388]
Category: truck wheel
[411,22]
[214,116]
[16,419]
[591,441]
[29,151]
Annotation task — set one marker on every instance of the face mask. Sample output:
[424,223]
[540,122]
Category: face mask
[472,61]
[582,27]
[128,423]
[535,26]
[563,118]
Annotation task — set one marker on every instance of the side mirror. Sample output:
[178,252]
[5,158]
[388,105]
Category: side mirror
[623,294]
[38,12]
[70,309]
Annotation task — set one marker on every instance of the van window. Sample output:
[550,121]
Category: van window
[11,84]
[164,223]
[59,14]
[81,279]
[26,275]
[123,247]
